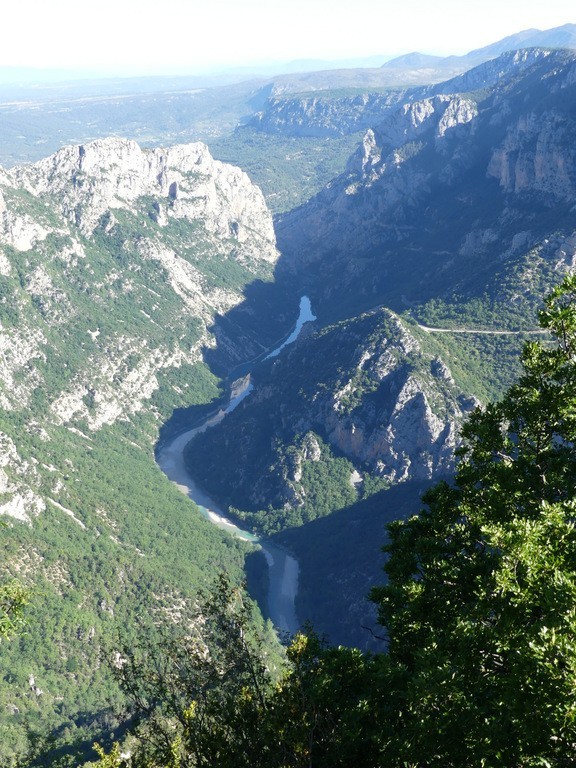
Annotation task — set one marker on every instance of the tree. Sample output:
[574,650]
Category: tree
[13,598]
[480,604]
[198,693]
[205,698]
[479,609]
[331,709]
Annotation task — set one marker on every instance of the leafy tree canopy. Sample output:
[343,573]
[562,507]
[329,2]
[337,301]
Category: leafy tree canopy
[480,605]
[13,598]
[479,609]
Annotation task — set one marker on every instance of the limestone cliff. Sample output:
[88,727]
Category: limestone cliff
[331,114]
[87,181]
[438,174]
[366,389]
[382,179]
[114,262]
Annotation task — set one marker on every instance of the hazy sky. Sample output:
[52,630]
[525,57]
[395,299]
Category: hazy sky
[196,35]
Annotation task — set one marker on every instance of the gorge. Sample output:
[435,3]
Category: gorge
[282,567]
[146,302]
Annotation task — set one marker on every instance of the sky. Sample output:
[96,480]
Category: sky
[189,36]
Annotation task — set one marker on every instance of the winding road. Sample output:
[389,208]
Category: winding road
[483,332]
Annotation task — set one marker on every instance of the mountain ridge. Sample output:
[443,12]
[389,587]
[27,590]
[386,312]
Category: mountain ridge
[390,74]
[115,264]
[480,155]
[321,115]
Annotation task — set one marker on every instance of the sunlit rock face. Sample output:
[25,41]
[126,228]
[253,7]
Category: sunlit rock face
[482,160]
[91,179]
[114,262]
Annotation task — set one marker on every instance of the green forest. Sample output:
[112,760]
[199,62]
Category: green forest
[404,592]
[478,618]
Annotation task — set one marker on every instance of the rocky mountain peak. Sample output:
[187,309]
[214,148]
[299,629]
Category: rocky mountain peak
[88,180]
[114,261]
[436,117]
[372,391]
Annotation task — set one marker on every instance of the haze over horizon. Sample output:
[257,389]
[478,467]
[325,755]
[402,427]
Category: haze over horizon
[133,38]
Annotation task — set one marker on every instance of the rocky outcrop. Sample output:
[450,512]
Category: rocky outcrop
[512,62]
[89,180]
[367,388]
[404,423]
[319,115]
[116,387]
[485,164]
[411,442]
[19,481]
[382,178]
[115,261]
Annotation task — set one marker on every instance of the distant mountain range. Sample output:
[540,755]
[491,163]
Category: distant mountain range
[310,71]
[172,109]
[558,37]
[418,69]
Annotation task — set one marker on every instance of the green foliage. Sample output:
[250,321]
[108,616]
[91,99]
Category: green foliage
[324,486]
[340,560]
[199,692]
[482,585]
[145,546]
[116,540]
[483,365]
[13,598]
[294,169]
[323,711]
[280,470]
[204,696]
[111,760]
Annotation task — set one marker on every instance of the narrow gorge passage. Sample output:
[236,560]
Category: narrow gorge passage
[283,568]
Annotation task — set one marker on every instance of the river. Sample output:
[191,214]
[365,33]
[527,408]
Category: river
[282,566]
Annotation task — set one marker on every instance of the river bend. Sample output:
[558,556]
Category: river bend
[282,567]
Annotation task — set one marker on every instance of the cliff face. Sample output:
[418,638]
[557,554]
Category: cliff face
[321,116]
[83,183]
[365,389]
[436,174]
[392,172]
[537,156]
[397,411]
[329,114]
[114,261]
